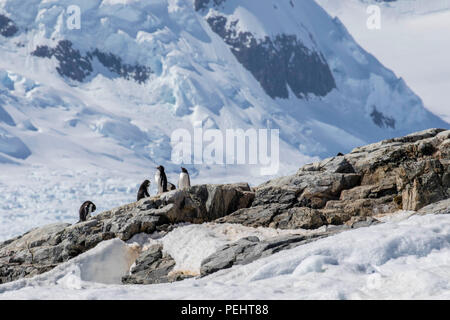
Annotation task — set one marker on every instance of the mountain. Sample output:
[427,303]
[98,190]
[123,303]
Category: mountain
[410,31]
[88,111]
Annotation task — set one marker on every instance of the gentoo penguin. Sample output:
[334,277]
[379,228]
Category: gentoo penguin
[143,190]
[161,179]
[86,209]
[171,186]
[184,181]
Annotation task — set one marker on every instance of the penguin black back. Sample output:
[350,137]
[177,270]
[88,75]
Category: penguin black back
[163,179]
[86,209]
[143,190]
[171,186]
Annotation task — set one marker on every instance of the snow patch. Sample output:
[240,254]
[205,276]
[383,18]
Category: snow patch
[407,259]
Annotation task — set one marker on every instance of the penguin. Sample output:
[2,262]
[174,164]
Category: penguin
[171,186]
[143,190]
[86,209]
[184,181]
[161,179]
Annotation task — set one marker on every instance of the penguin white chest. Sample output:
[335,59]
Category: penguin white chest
[158,178]
[183,182]
[89,211]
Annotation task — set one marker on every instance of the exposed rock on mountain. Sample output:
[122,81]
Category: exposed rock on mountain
[74,65]
[278,62]
[7,26]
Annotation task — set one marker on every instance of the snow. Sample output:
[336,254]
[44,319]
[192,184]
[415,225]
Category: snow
[407,257]
[411,32]
[63,142]
[191,244]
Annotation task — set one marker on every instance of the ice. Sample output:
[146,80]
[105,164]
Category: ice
[12,145]
[5,117]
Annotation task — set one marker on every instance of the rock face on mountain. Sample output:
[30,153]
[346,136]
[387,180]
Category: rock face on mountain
[403,173]
[43,248]
[278,63]
[339,193]
[7,26]
[76,66]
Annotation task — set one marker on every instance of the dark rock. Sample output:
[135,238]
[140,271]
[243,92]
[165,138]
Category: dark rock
[276,62]
[114,64]
[203,4]
[247,250]
[365,223]
[299,217]
[203,203]
[152,266]
[256,216]
[43,248]
[440,207]
[7,26]
[76,66]
[339,193]
[381,120]
[402,173]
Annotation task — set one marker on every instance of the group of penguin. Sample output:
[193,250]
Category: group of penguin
[161,181]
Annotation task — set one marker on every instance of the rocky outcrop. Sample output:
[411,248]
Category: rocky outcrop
[153,266]
[43,248]
[7,27]
[337,194]
[76,66]
[249,249]
[150,267]
[403,173]
[156,266]
[440,207]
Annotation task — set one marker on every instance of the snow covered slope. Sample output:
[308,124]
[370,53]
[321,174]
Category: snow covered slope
[404,258]
[88,113]
[411,41]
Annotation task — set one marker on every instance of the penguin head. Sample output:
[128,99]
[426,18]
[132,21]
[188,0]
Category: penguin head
[184,170]
[146,183]
[160,168]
